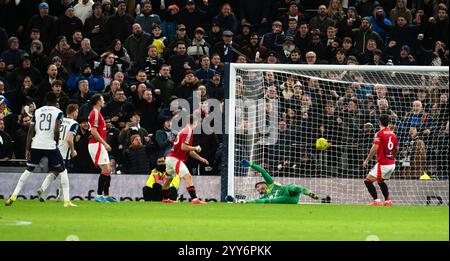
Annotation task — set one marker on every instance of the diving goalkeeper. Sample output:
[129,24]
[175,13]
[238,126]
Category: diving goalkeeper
[275,193]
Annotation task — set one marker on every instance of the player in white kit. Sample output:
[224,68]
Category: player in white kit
[42,141]
[69,128]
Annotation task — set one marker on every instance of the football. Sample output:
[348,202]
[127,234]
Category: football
[321,144]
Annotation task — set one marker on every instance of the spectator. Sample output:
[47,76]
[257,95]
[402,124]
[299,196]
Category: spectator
[38,59]
[20,96]
[199,47]
[82,96]
[188,85]
[147,18]
[164,137]
[318,48]
[119,26]
[131,128]
[367,56]
[136,156]
[153,63]
[340,57]
[20,137]
[169,24]
[204,73]
[335,11]
[117,48]
[377,58]
[191,17]
[216,63]
[311,57]
[24,69]
[77,37]
[180,62]
[215,34]
[423,96]
[242,39]
[302,38]
[113,87]
[292,27]
[413,155]
[107,68]
[403,33]
[419,119]
[107,9]
[363,34]
[68,23]
[349,22]
[63,99]
[153,188]
[112,138]
[12,56]
[286,49]
[226,48]
[226,19]
[63,51]
[159,40]
[148,106]
[85,56]
[380,23]
[321,21]
[254,51]
[215,88]
[274,39]
[45,23]
[96,83]
[381,108]
[94,28]
[83,9]
[439,26]
[292,13]
[179,37]
[435,57]
[119,110]
[400,10]
[6,142]
[136,45]
[164,84]
[62,71]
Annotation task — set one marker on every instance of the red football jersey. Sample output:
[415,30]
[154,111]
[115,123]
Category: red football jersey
[185,136]
[387,142]
[96,121]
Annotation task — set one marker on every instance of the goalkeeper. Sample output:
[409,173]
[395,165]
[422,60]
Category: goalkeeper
[275,193]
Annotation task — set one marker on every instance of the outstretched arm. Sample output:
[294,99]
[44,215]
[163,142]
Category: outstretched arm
[265,174]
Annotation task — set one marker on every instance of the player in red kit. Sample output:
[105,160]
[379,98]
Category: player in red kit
[385,145]
[178,155]
[98,148]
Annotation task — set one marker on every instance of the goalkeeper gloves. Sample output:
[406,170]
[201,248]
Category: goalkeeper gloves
[314,196]
[246,163]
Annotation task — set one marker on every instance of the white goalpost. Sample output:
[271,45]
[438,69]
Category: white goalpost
[277,112]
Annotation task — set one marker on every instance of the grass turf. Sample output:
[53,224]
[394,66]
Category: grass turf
[220,221]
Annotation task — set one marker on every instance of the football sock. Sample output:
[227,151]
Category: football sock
[384,190]
[47,181]
[65,185]
[191,191]
[23,178]
[107,184]
[101,184]
[371,188]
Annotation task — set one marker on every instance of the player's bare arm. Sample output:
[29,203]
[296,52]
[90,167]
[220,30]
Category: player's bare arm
[194,155]
[56,131]
[73,152]
[31,133]
[372,152]
[97,136]
[186,147]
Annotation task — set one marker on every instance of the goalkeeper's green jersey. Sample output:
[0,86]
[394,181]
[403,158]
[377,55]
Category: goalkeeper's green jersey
[277,193]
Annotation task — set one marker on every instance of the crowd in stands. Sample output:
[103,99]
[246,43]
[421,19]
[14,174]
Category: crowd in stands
[144,54]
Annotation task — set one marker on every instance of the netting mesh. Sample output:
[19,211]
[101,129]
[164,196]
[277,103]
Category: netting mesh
[280,114]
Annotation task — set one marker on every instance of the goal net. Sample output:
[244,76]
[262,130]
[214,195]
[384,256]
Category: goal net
[279,111]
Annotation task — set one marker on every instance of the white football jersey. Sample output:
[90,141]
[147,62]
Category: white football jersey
[67,126]
[44,121]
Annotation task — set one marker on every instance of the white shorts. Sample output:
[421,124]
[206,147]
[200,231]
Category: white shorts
[176,167]
[98,153]
[384,171]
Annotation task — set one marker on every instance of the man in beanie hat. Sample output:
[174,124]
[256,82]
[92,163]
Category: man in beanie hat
[13,54]
[38,58]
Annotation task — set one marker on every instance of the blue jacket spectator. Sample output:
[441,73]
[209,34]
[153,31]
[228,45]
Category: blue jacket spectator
[380,23]
[96,83]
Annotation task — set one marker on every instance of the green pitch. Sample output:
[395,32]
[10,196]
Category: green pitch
[32,220]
